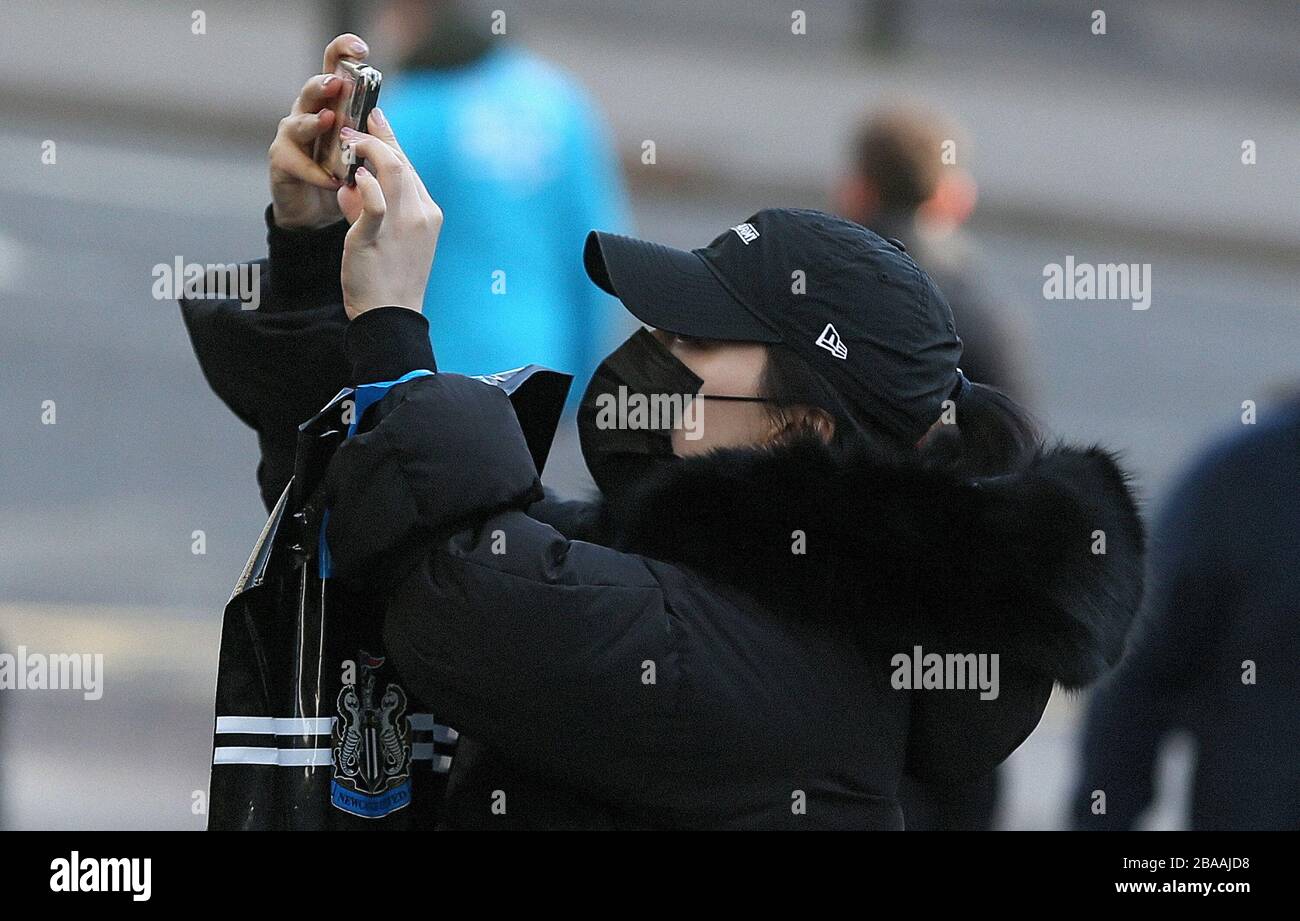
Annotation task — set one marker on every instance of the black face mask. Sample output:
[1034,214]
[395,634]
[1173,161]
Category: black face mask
[616,455]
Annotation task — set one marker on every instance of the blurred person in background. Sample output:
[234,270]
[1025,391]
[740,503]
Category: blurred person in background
[898,185]
[519,156]
[1217,648]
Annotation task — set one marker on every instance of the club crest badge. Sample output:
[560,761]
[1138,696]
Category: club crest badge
[371,746]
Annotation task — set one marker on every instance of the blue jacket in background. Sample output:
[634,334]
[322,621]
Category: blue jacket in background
[519,158]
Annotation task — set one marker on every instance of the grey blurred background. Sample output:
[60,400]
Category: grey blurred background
[1117,148]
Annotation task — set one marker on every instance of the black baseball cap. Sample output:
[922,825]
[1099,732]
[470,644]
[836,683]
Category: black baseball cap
[852,304]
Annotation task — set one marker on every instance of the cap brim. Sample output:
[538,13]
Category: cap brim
[670,289]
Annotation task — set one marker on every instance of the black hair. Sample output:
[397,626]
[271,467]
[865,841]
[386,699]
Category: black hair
[986,433]
[991,434]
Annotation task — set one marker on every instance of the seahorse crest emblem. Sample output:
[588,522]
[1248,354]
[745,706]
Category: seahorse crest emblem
[372,746]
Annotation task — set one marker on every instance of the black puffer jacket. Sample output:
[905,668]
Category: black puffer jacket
[670,662]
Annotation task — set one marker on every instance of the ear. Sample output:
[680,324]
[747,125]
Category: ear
[953,200]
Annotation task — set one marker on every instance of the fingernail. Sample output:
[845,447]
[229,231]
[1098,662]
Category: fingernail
[346,131]
[329,79]
[379,117]
[362,171]
[359,47]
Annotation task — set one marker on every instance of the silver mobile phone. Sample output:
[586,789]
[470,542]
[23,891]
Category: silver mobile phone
[352,110]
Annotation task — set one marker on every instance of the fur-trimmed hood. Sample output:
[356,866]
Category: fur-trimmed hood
[1014,562]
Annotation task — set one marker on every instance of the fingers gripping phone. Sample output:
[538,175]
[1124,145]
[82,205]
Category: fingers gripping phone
[352,110]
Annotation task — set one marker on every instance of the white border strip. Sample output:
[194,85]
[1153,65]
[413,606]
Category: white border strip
[276,725]
[281,757]
[318,725]
[423,751]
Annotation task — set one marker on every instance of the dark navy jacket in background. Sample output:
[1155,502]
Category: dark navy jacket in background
[1225,583]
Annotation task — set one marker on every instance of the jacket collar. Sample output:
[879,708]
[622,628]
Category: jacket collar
[1045,564]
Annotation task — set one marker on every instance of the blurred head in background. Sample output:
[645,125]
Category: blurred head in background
[429,34]
[906,179]
[903,167]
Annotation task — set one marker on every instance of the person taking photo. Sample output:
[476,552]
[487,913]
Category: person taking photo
[730,635]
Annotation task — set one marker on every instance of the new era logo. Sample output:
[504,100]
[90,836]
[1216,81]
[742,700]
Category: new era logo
[830,340]
[746,232]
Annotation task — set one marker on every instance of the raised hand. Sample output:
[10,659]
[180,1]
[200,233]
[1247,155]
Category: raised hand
[395,225]
[302,191]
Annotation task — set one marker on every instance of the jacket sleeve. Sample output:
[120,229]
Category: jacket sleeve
[530,643]
[278,358]
[955,735]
